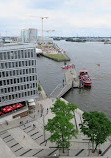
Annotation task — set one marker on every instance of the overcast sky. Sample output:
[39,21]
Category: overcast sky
[66,17]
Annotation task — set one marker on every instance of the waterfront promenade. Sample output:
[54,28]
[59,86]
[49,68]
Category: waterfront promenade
[25,140]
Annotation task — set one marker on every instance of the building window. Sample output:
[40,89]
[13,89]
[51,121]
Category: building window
[2,65]
[8,82]
[14,80]
[0,83]
[11,55]
[0,56]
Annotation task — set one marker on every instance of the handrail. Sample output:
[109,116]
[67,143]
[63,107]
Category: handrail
[63,89]
[55,89]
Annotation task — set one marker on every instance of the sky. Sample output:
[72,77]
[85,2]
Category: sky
[66,17]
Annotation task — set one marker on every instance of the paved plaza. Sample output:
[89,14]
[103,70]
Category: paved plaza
[30,140]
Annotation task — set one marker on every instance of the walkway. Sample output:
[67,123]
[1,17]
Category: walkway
[71,81]
[34,144]
[72,77]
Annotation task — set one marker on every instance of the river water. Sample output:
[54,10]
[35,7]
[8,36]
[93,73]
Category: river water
[83,55]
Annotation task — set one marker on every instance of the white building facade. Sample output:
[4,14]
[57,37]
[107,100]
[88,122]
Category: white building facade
[18,73]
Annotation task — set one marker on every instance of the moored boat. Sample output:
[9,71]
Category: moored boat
[66,66]
[85,78]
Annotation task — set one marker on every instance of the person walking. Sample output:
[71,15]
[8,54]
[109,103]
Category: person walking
[63,83]
[41,112]
[47,110]
[33,125]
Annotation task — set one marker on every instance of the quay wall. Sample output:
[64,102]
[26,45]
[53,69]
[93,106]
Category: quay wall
[58,60]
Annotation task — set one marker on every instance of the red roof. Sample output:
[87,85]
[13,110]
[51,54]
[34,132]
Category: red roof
[18,105]
[7,108]
[12,107]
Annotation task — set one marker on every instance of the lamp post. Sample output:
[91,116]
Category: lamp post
[42,18]
[48,37]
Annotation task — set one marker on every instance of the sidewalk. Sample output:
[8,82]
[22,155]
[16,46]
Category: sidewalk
[33,143]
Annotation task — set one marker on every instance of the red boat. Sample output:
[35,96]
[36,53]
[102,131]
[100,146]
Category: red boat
[85,79]
[66,66]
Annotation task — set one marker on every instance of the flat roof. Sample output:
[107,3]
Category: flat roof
[12,46]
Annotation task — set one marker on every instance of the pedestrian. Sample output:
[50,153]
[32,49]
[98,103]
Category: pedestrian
[21,122]
[33,125]
[63,83]
[27,121]
[100,151]
[23,137]
[41,112]
[47,110]
[38,111]
[6,122]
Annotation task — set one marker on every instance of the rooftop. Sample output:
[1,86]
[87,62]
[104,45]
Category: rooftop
[8,46]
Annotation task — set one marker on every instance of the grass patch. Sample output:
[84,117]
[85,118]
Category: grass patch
[56,56]
[39,87]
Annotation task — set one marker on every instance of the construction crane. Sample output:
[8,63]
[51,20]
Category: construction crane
[42,18]
[48,37]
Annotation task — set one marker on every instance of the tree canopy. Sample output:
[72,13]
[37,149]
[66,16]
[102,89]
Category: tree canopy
[96,126]
[60,127]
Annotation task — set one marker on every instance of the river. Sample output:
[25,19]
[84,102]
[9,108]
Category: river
[83,55]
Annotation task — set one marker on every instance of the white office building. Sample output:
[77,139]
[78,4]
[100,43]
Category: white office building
[18,73]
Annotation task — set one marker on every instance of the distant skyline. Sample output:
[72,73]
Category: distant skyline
[66,17]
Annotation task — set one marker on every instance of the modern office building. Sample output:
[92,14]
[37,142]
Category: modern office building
[29,35]
[18,73]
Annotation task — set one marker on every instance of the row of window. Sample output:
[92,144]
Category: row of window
[18,96]
[17,72]
[17,54]
[17,64]
[18,88]
[18,80]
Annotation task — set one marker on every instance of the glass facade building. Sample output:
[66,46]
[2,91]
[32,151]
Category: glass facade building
[29,35]
[18,73]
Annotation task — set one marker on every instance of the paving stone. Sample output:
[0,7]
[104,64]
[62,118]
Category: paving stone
[21,151]
[46,152]
[34,135]
[31,153]
[40,139]
[49,144]
[31,131]
[18,146]
[4,135]
[12,143]
[7,139]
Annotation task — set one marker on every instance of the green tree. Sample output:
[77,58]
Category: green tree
[96,126]
[60,127]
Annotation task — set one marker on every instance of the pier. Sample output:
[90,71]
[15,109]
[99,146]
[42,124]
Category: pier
[71,81]
[72,77]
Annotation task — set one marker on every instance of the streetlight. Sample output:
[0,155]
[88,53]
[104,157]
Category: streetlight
[42,18]
[48,37]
